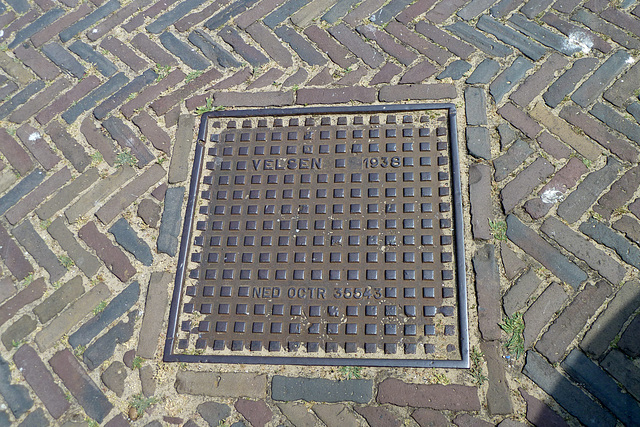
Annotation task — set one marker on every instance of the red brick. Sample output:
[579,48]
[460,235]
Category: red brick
[190,21]
[525,182]
[538,81]
[150,129]
[7,18]
[75,378]
[443,10]
[98,140]
[340,95]
[363,11]
[386,73]
[41,381]
[64,102]
[255,411]
[124,53]
[7,288]
[48,33]
[150,93]
[26,296]
[386,43]
[426,417]
[622,20]
[323,78]
[336,52]
[21,22]
[416,9]
[42,66]
[378,416]
[270,44]
[152,11]
[39,101]
[257,99]
[130,193]
[115,19]
[424,46]
[434,396]
[73,151]
[13,257]
[418,73]
[113,257]
[152,51]
[37,196]
[520,119]
[165,103]
[553,146]
[250,16]
[434,91]
[457,47]
[234,80]
[266,79]
[14,153]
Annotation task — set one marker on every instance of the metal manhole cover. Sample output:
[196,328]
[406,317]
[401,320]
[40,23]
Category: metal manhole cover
[323,236]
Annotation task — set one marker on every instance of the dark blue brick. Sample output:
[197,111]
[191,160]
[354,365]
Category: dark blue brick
[600,79]
[20,6]
[63,59]
[16,396]
[484,72]
[250,53]
[88,102]
[86,22]
[509,78]
[568,395]
[128,239]
[303,48]
[212,50]
[321,390]
[121,96]
[568,80]
[20,190]
[89,54]
[479,40]
[602,386]
[104,346]
[507,35]
[128,140]
[171,221]
[455,70]
[36,26]
[35,419]
[116,308]
[166,19]
[389,11]
[183,51]
[339,10]
[283,12]
[21,97]
[224,16]
[616,121]
[543,35]
[602,234]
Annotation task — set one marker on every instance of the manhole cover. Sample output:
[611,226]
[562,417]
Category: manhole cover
[323,236]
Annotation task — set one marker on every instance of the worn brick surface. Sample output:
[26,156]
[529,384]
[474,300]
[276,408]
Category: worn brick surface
[378,416]
[252,386]
[102,349]
[321,390]
[519,119]
[29,238]
[426,417]
[524,183]
[13,257]
[623,370]
[37,145]
[541,311]
[335,414]
[599,232]
[434,396]
[488,292]
[18,331]
[155,307]
[539,414]
[518,294]
[57,301]
[564,329]
[66,143]
[480,196]
[498,393]
[111,255]
[255,411]
[16,396]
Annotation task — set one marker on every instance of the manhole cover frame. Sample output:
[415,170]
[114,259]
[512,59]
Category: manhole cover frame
[458,240]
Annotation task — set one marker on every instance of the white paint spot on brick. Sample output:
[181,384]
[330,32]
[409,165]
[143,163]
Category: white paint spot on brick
[580,40]
[552,196]
[35,136]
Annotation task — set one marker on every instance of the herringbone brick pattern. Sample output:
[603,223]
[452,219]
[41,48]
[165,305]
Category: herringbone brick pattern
[98,106]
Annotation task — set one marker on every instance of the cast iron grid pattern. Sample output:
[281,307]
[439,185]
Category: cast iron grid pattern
[323,237]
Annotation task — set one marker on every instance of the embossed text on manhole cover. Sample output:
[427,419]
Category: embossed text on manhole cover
[328,236]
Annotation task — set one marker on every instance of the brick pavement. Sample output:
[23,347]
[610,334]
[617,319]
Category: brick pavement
[98,104]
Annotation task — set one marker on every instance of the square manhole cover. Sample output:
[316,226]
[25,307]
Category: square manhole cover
[323,236]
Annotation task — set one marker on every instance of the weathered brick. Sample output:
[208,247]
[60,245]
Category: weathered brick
[73,314]
[29,238]
[193,59]
[378,416]
[568,29]
[20,98]
[598,25]
[488,292]
[543,35]
[602,234]
[484,72]
[335,51]
[457,47]
[622,20]
[99,192]
[152,51]
[150,129]
[305,50]
[77,381]
[556,189]
[49,32]
[619,193]
[353,77]
[519,119]
[57,301]
[40,65]
[434,396]
[214,413]
[297,413]
[620,147]
[127,139]
[114,377]
[250,16]
[66,100]
[623,369]
[435,91]
[248,52]
[170,17]
[179,166]
[518,294]
[255,411]
[474,8]
[322,78]
[7,288]
[15,154]
[422,45]
[228,13]
[89,54]
[103,348]
[88,102]
[442,11]
[41,381]
[386,73]
[418,73]
[110,254]
[338,95]
[583,249]
[335,414]
[18,331]
[31,293]
[511,160]
[127,238]
[530,242]
[73,151]
[362,12]
[39,101]
[498,393]
[320,390]
[524,183]
[98,140]
[568,81]
[13,257]
[588,191]
[455,71]
[538,81]
[67,193]
[480,198]
[613,119]
[386,43]
[190,21]
[426,417]
[165,103]
[34,198]
[528,47]
[63,59]
[8,88]
[85,261]
[15,69]
[216,53]
[252,386]
[155,307]
[170,225]
[20,190]
[280,14]
[135,85]
[539,414]
[151,92]
[566,327]
[16,396]
[512,264]
[266,79]
[634,110]
[569,396]
[600,79]
[151,12]
[389,11]
[541,312]
[89,20]
[117,18]
[124,53]
[553,146]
